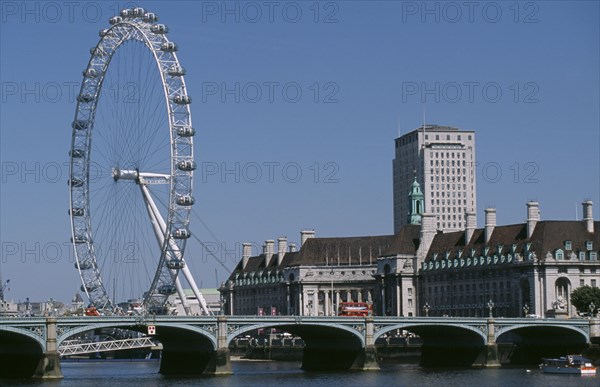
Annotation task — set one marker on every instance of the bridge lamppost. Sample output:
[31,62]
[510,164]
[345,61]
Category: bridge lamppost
[525,310]
[592,307]
[426,309]
[490,306]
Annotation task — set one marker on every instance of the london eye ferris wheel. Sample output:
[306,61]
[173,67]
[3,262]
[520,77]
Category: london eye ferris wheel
[131,169]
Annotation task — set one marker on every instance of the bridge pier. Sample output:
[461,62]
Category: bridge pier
[595,330]
[49,364]
[366,360]
[489,354]
[220,363]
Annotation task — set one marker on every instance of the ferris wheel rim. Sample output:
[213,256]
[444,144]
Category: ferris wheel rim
[139,26]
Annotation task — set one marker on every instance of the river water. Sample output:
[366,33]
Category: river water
[261,373]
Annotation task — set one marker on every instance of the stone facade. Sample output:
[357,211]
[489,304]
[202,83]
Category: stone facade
[311,281]
[525,268]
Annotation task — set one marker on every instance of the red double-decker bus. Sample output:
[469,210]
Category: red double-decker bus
[355,309]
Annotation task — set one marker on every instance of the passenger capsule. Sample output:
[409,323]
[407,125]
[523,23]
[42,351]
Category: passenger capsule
[159,29]
[176,71]
[83,265]
[176,264]
[77,153]
[168,47]
[181,233]
[75,182]
[139,11]
[115,20]
[80,124]
[77,211]
[182,99]
[126,13]
[150,17]
[85,97]
[186,131]
[185,200]
[167,289]
[186,165]
[103,32]
[90,73]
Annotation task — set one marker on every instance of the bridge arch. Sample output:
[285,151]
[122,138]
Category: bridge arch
[416,327]
[27,333]
[21,349]
[295,328]
[520,327]
[65,334]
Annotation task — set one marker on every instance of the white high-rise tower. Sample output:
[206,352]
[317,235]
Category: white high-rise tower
[443,159]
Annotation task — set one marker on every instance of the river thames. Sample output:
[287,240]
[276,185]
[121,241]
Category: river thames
[254,373]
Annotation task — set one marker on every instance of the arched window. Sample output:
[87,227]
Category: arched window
[559,254]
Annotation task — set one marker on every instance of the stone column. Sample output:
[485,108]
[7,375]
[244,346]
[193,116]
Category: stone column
[326,307]
[399,297]
[316,303]
[336,302]
[219,363]
[348,295]
[287,299]
[49,364]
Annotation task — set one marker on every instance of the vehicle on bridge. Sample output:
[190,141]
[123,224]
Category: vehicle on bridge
[355,309]
[571,364]
[91,311]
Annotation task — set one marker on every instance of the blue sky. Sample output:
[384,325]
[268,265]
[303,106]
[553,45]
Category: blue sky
[322,90]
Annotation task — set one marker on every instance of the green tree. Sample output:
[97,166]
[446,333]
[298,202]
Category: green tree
[584,296]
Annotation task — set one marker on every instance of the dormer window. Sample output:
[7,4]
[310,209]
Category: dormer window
[589,245]
[582,255]
[568,245]
[559,255]
[593,256]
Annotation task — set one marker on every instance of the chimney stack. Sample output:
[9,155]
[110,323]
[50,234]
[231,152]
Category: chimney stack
[269,251]
[490,223]
[533,216]
[428,231]
[246,253]
[292,247]
[471,224]
[305,235]
[281,249]
[588,216]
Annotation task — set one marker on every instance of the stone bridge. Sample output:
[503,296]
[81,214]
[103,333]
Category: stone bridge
[194,345]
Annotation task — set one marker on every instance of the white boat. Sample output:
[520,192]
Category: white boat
[571,364]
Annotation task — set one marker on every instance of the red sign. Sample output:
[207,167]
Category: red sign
[151,330]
